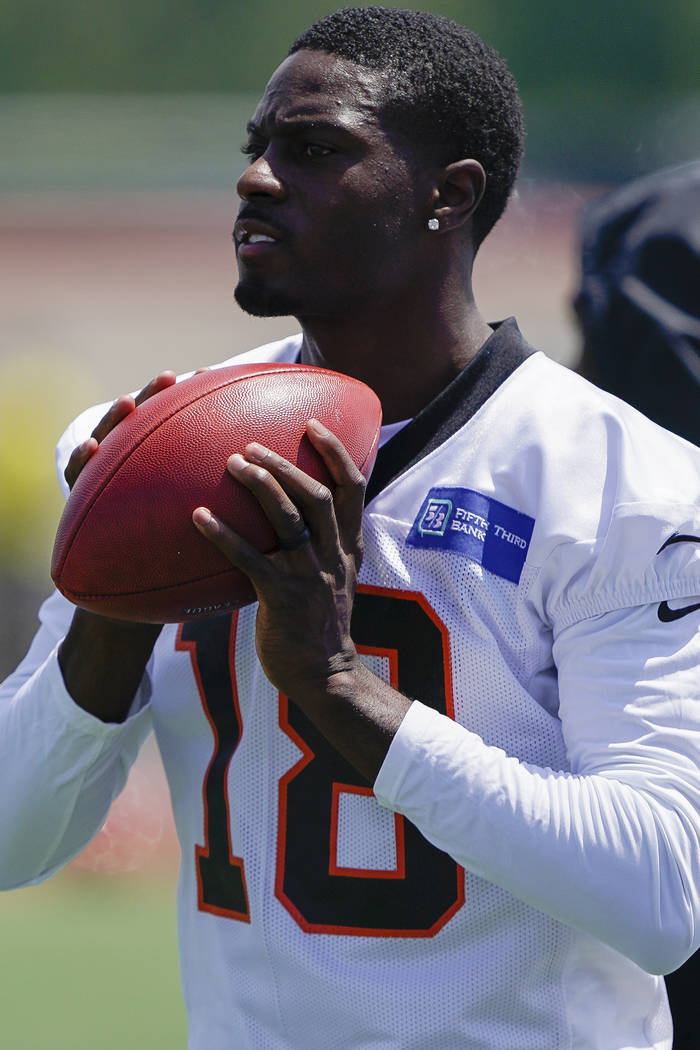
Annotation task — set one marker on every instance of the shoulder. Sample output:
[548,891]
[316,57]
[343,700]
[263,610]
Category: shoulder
[611,488]
[589,441]
[560,404]
[571,452]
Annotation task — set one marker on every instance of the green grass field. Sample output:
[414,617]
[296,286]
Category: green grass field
[90,963]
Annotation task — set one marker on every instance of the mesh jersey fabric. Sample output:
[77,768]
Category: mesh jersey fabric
[309,915]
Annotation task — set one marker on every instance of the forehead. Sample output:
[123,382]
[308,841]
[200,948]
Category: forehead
[314,86]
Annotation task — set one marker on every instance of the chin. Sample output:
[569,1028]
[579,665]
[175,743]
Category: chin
[260,301]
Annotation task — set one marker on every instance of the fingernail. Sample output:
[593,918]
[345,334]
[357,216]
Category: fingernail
[256,451]
[236,462]
[202,516]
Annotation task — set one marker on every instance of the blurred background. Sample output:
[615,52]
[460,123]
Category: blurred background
[120,127]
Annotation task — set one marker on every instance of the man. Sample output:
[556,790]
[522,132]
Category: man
[639,311]
[456,805]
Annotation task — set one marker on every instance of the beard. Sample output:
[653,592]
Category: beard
[259,300]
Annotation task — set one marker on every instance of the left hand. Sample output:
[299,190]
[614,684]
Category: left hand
[307,587]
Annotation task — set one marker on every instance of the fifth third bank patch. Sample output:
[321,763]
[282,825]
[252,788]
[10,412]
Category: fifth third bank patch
[476,526]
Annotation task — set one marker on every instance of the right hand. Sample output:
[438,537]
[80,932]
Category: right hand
[102,660]
[121,408]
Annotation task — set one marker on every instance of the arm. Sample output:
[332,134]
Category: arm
[60,767]
[102,662]
[611,848]
[72,717]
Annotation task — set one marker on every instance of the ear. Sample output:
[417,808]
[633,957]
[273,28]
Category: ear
[458,194]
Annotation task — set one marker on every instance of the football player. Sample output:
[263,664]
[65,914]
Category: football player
[439,787]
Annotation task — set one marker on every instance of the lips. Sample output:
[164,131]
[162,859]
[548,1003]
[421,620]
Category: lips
[254,236]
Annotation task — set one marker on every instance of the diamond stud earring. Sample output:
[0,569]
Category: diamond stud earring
[433,224]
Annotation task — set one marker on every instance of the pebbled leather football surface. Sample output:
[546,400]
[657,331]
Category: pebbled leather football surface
[126,546]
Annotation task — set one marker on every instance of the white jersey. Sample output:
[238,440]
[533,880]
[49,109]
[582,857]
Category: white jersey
[530,848]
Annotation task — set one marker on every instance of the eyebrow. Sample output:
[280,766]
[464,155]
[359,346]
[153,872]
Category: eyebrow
[293,127]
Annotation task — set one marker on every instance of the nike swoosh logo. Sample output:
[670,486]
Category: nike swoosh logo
[667,615]
[678,537]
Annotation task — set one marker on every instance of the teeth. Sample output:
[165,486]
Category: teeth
[260,238]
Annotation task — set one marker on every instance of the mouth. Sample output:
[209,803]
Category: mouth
[257,238]
[253,237]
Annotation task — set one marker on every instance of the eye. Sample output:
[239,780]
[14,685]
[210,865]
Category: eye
[315,150]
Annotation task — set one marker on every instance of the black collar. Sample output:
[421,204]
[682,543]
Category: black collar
[498,358]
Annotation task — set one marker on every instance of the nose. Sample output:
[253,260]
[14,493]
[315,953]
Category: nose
[259,180]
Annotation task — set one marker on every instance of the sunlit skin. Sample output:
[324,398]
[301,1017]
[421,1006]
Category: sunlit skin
[348,200]
[318,153]
[338,204]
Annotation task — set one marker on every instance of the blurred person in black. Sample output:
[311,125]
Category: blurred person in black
[638,306]
[639,300]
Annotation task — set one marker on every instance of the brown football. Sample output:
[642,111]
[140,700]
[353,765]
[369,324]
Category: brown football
[126,546]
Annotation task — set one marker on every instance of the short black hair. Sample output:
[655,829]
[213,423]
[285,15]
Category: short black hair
[446,88]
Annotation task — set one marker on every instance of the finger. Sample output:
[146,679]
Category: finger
[335,455]
[160,382]
[117,411]
[78,458]
[313,499]
[282,513]
[242,554]
[349,481]
[126,404]
[80,455]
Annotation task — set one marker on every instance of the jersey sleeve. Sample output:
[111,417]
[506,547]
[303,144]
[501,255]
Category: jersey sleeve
[60,767]
[611,847]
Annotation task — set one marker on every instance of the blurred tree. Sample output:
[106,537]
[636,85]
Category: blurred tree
[609,90]
[212,45]
[29,486]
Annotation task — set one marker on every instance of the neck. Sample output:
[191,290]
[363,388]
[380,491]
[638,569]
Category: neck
[406,355]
